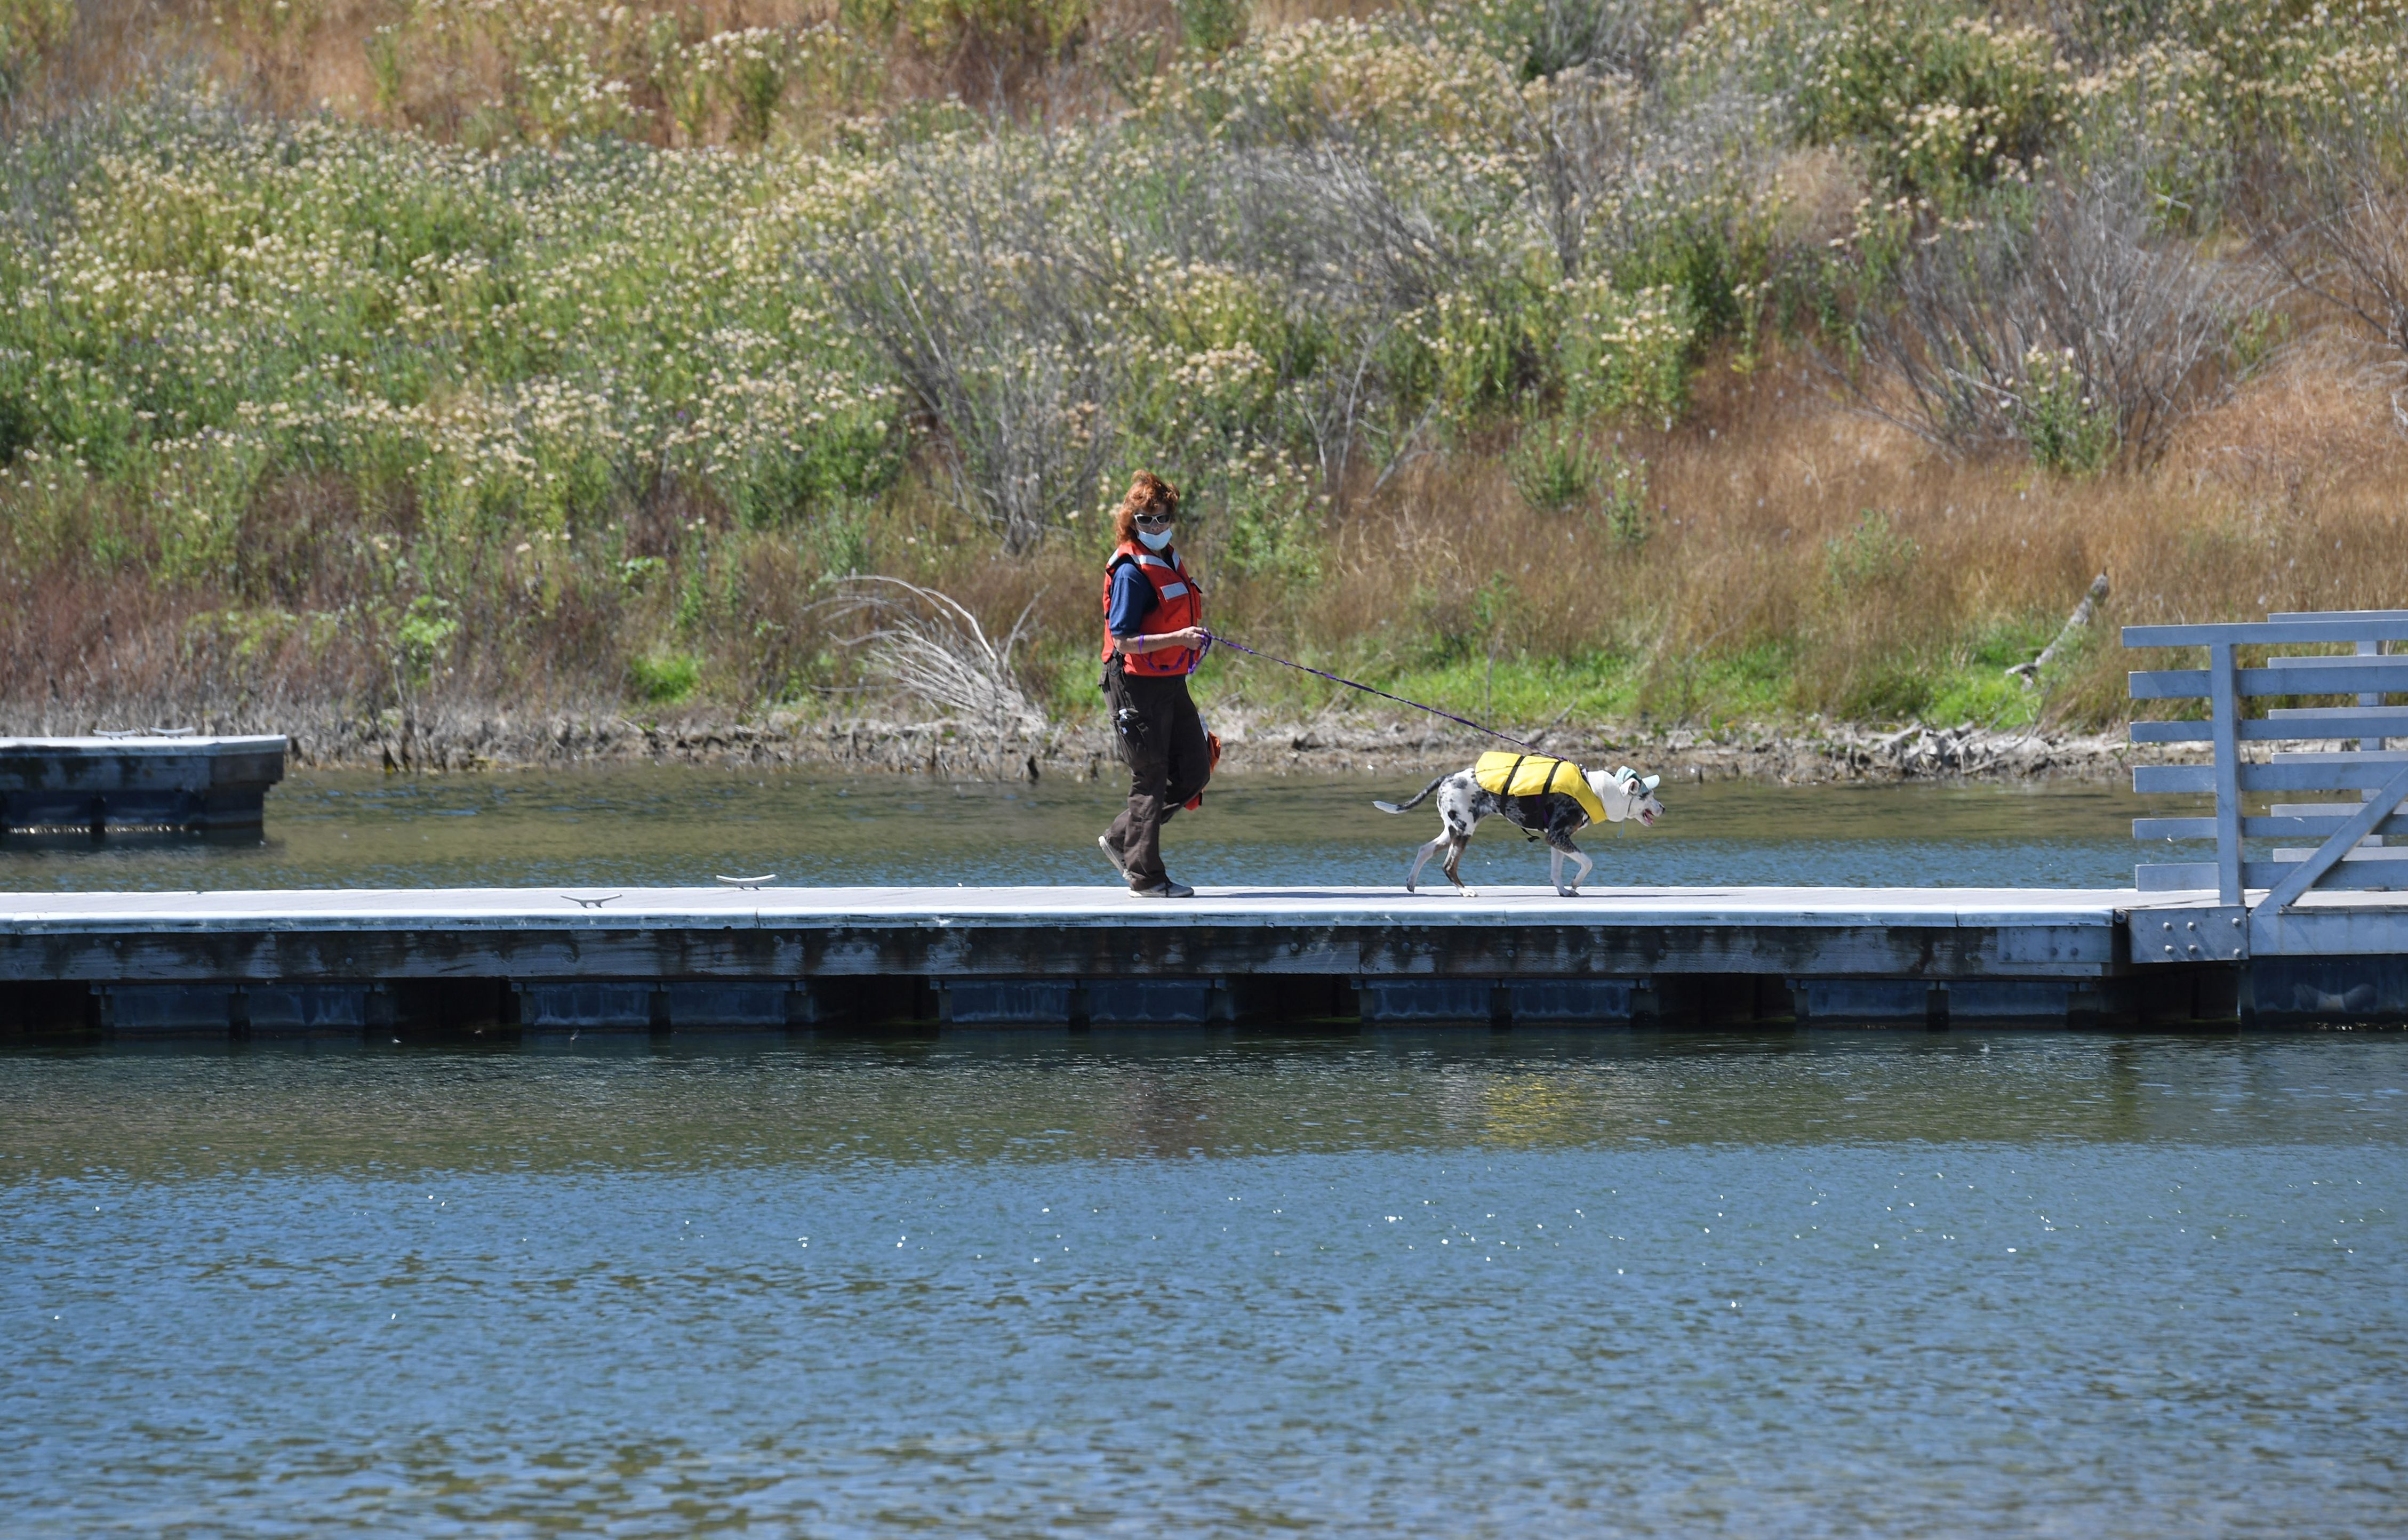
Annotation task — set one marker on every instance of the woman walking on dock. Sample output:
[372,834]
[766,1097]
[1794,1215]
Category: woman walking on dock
[1153,638]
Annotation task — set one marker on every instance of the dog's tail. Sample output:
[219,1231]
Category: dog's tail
[1419,798]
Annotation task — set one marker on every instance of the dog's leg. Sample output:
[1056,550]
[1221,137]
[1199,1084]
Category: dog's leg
[1555,868]
[1561,848]
[1457,807]
[1461,805]
[1565,819]
[1455,847]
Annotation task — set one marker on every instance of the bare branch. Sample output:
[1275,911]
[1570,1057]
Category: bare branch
[2335,225]
[929,647]
[2079,336]
[992,320]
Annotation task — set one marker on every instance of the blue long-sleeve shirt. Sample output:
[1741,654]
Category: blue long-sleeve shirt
[1132,597]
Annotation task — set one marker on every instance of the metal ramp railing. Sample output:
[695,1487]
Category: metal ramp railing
[2352,854]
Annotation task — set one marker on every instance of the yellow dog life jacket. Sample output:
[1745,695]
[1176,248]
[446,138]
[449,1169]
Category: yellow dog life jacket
[1509,774]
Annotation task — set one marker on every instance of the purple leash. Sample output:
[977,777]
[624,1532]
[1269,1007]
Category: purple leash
[1211,638]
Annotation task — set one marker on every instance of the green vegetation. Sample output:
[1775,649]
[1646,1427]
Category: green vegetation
[1501,351]
[667,678]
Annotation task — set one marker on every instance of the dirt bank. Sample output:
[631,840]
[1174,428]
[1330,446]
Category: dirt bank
[1798,754]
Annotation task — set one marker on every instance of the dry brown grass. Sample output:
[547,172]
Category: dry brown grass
[301,56]
[2291,496]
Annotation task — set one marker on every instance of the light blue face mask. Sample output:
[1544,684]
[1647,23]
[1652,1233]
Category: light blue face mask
[1155,540]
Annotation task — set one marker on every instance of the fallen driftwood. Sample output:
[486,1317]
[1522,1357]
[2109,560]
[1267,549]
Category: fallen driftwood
[929,647]
[2076,624]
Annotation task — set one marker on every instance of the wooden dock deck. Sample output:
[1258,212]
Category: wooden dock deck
[535,961]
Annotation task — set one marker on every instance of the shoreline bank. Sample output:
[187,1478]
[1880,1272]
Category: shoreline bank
[1807,754]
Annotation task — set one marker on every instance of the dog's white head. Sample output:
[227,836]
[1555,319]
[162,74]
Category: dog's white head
[1628,794]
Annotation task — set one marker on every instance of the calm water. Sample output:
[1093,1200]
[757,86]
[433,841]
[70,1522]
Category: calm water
[679,825]
[1829,1285]
[1822,1284]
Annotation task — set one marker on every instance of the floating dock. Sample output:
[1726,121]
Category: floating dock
[534,962]
[122,783]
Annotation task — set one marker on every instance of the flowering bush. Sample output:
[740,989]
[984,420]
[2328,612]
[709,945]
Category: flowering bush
[1626,352]
[1947,102]
[626,305]
[229,301]
[2067,430]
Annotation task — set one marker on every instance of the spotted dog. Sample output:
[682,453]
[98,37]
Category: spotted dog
[1547,799]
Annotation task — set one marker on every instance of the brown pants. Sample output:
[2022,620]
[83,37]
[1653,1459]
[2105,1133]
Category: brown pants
[1168,766]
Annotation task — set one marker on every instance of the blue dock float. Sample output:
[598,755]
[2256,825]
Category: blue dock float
[532,961]
[121,782]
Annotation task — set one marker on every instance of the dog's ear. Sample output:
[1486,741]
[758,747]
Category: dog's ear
[1650,782]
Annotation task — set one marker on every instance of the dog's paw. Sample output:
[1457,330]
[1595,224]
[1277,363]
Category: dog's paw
[1568,892]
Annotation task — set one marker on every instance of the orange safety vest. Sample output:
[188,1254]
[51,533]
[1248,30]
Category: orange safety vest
[1177,604]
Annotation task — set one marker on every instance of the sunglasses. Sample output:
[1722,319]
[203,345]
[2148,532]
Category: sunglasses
[1156,521]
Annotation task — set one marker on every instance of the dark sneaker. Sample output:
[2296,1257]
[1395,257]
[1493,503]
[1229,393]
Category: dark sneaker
[1104,843]
[1165,889]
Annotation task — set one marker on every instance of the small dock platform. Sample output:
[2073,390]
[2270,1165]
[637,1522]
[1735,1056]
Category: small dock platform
[123,782]
[534,962]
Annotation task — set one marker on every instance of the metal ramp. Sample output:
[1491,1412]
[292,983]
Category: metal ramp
[2264,907]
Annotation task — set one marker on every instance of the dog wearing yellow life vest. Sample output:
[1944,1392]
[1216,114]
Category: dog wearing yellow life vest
[1546,798]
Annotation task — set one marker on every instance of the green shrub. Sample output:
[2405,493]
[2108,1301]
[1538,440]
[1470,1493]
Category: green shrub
[1541,39]
[1622,507]
[1946,102]
[665,678]
[1260,515]
[749,71]
[1211,26]
[1874,553]
[425,633]
[1555,470]
[1485,348]
[838,541]
[1021,29]
[2067,430]
[1891,690]
[18,426]
[1625,352]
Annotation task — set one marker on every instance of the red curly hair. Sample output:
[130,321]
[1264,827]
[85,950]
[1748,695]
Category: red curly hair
[1147,494]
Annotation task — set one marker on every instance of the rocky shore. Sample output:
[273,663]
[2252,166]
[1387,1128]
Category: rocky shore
[1808,753]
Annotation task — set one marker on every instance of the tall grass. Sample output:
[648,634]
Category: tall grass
[578,353]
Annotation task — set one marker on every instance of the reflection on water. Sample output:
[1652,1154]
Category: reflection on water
[1821,1284]
[1045,1094]
[679,825]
